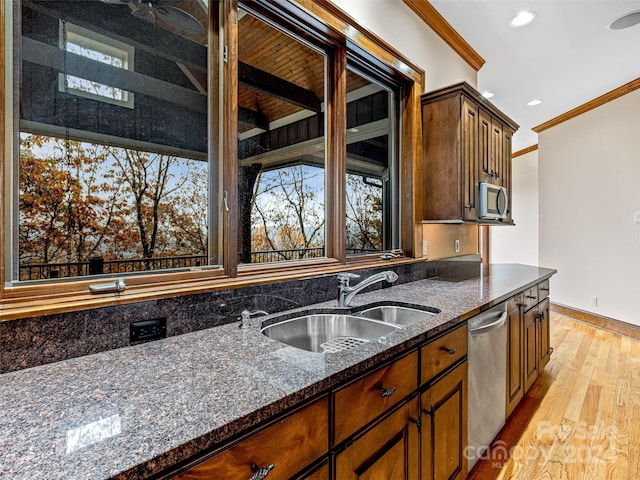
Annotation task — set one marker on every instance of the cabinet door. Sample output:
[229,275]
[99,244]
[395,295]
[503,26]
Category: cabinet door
[449,425]
[545,334]
[389,450]
[531,363]
[515,355]
[484,146]
[495,164]
[470,159]
[505,169]
[426,437]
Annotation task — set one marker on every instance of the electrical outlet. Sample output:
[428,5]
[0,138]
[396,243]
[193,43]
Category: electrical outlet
[594,301]
[424,248]
[147,330]
[456,246]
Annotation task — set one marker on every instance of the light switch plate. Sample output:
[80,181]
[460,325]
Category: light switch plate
[636,217]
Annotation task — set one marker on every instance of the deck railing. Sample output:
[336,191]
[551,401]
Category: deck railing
[99,266]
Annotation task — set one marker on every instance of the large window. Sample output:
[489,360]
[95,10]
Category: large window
[281,144]
[372,207]
[113,161]
[194,141]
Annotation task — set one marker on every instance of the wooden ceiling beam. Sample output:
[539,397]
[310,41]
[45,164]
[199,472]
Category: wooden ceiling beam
[86,68]
[261,81]
[251,117]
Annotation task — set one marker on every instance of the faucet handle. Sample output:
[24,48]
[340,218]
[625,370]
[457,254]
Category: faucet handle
[246,315]
[344,278]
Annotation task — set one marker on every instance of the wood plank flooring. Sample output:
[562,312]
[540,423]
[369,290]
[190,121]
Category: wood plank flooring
[581,418]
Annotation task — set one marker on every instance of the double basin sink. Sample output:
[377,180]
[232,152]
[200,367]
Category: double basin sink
[334,332]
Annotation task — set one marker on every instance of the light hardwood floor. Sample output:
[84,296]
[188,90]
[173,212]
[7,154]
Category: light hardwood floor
[581,418]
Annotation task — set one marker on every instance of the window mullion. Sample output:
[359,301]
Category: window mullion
[337,155]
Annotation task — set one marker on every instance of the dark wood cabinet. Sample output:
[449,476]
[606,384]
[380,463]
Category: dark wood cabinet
[448,420]
[444,406]
[544,333]
[361,401]
[528,341]
[284,448]
[531,334]
[389,449]
[466,140]
[515,354]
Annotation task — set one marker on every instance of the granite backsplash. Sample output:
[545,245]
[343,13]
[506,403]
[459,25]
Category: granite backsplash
[29,342]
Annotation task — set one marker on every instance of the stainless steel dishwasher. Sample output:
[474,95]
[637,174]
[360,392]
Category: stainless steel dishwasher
[487,357]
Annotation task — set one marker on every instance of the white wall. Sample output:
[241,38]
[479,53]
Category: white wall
[401,28]
[519,244]
[589,176]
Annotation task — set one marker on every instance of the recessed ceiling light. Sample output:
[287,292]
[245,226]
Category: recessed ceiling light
[523,18]
[626,21]
[534,102]
[488,94]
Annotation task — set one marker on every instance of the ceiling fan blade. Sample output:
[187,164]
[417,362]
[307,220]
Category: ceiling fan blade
[626,21]
[179,19]
[142,11]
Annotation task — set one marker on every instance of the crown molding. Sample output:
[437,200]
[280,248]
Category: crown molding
[438,24]
[524,151]
[595,103]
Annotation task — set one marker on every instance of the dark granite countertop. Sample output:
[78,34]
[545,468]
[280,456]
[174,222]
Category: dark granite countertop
[132,412]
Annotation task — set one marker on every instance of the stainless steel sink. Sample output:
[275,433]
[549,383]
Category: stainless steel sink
[329,333]
[401,316]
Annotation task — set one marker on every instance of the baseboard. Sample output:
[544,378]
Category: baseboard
[617,326]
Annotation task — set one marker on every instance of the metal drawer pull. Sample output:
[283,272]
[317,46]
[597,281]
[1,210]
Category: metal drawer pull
[531,297]
[450,351]
[417,421]
[260,473]
[387,393]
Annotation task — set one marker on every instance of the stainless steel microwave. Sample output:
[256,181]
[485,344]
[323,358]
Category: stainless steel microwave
[493,201]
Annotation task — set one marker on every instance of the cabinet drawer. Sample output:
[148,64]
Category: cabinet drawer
[290,445]
[543,290]
[530,298]
[515,302]
[443,352]
[363,400]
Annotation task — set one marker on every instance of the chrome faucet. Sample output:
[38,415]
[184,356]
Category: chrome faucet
[347,292]
[246,315]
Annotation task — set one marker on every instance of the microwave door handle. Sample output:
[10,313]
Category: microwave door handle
[502,192]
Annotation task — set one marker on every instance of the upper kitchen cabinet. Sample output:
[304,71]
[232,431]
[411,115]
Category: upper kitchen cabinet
[467,141]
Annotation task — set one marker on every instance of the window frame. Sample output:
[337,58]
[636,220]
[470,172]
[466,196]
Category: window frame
[315,21]
[99,41]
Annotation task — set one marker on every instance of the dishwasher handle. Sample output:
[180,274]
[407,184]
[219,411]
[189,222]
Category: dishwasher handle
[488,327]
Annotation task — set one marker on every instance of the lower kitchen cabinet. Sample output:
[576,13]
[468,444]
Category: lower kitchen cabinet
[544,354]
[515,354]
[444,432]
[531,334]
[388,450]
[404,420]
[281,450]
[529,330]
